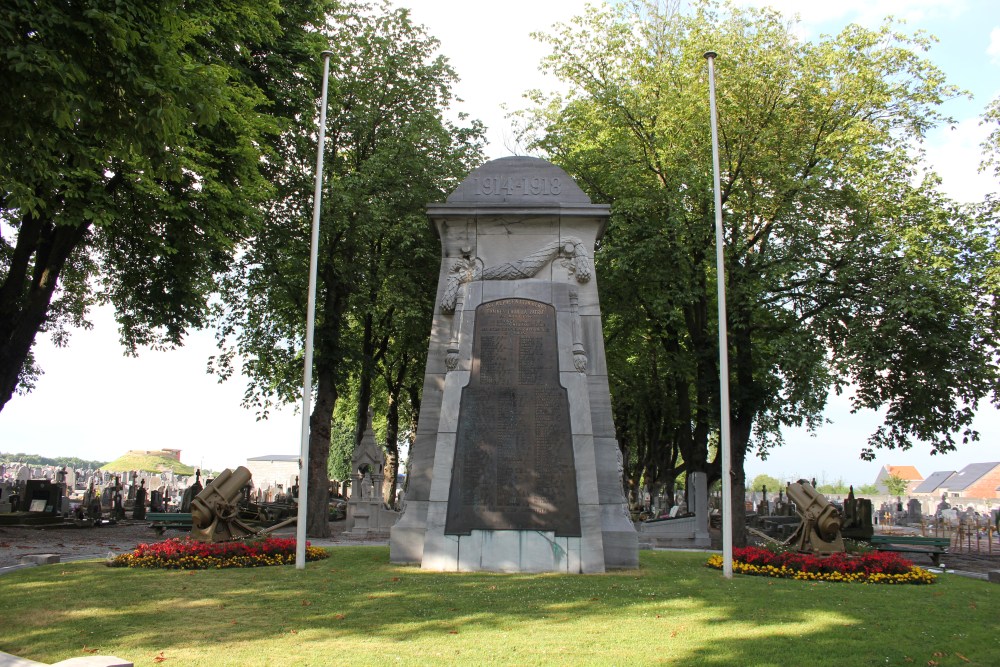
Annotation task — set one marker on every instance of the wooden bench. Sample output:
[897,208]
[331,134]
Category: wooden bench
[160,521]
[930,546]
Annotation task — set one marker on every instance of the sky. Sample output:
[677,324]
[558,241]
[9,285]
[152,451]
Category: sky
[95,403]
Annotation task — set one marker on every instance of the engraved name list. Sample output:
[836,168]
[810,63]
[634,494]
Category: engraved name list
[514,467]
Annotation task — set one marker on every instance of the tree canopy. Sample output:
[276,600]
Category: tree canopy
[845,271]
[895,484]
[390,150]
[132,156]
[764,480]
[35,459]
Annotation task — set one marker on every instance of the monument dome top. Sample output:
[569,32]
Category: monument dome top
[518,180]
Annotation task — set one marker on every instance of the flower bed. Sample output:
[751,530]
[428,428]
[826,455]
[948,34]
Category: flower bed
[875,567]
[188,554]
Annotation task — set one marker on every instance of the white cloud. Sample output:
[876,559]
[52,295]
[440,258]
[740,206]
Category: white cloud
[95,403]
[993,50]
[490,48]
[866,12]
[955,153]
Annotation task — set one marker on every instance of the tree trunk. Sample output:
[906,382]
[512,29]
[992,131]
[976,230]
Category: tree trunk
[365,380]
[737,478]
[394,385]
[413,391]
[391,447]
[318,512]
[746,402]
[328,357]
[24,299]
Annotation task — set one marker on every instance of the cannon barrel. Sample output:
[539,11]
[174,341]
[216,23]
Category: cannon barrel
[815,508]
[213,511]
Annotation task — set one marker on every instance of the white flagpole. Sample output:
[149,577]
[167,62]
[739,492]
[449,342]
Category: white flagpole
[720,276]
[300,528]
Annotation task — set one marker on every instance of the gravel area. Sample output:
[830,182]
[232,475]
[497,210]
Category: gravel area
[71,543]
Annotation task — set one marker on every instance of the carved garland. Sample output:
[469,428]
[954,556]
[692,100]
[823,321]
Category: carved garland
[470,269]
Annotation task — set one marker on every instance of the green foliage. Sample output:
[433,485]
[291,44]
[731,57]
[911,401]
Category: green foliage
[62,461]
[763,480]
[866,490]
[775,547]
[132,159]
[895,484]
[838,488]
[840,270]
[341,451]
[857,547]
[389,151]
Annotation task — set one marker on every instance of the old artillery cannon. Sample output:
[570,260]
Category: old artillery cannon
[214,511]
[819,531]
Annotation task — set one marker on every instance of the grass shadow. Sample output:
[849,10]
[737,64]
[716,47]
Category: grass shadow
[673,610]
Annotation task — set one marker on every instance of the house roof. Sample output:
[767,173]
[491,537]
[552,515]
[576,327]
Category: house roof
[275,457]
[934,482]
[969,475]
[909,473]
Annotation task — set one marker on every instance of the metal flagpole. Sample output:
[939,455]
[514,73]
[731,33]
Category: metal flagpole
[720,277]
[300,528]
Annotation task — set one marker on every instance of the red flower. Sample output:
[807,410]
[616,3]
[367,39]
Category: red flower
[869,563]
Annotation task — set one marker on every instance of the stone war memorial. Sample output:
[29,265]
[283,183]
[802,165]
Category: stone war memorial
[516,466]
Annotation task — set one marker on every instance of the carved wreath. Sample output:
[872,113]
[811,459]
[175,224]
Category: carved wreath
[466,270]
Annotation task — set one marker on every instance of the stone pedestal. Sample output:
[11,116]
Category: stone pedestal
[369,517]
[516,466]
[684,532]
[366,511]
[698,503]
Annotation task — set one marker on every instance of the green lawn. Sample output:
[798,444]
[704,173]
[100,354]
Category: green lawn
[356,608]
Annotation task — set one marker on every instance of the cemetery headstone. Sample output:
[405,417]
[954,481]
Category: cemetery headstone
[155,501]
[189,493]
[41,495]
[139,509]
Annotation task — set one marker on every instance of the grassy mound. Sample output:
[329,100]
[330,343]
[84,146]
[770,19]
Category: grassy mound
[147,463]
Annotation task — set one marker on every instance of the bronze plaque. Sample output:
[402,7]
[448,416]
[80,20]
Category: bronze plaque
[514,467]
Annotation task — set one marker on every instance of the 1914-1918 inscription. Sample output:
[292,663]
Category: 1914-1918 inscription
[514,466]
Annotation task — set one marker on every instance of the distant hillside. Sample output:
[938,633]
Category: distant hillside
[147,463]
[36,460]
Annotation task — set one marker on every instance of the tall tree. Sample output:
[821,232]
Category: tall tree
[840,271]
[390,150]
[130,161]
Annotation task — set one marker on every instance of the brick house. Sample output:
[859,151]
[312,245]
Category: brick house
[909,473]
[976,480]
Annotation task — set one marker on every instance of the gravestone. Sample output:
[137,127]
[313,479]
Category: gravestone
[41,495]
[6,490]
[516,466]
[139,508]
[155,501]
